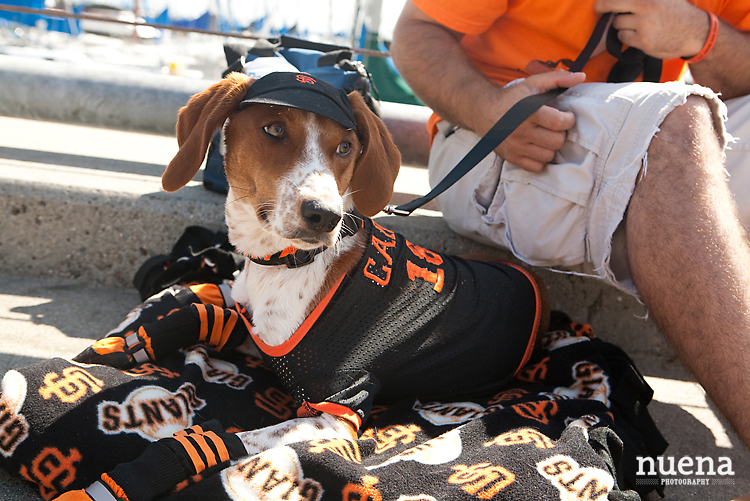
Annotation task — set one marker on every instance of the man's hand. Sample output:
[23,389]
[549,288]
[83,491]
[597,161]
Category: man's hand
[534,143]
[664,29]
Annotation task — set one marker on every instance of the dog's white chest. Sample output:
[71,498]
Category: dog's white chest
[279,298]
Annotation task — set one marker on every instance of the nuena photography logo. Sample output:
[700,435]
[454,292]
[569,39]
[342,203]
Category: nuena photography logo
[685,470]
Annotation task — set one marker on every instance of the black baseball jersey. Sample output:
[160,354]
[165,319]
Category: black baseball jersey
[409,322]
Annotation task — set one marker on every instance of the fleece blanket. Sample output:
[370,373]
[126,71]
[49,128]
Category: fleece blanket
[568,426]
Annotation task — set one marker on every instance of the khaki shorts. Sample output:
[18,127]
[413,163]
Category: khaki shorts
[568,215]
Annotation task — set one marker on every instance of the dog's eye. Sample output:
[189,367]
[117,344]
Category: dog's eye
[344,149]
[274,130]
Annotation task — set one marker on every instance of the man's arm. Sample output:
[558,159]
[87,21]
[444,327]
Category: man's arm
[430,58]
[675,28]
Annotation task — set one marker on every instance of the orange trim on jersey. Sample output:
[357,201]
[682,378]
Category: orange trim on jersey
[203,314]
[219,444]
[333,409]
[227,332]
[116,489]
[211,458]
[218,326]
[208,294]
[198,463]
[537,318]
[241,311]
[289,344]
[147,341]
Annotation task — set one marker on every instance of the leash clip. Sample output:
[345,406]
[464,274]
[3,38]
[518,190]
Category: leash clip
[395,211]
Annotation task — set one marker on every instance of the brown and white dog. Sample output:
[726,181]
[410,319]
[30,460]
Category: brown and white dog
[298,165]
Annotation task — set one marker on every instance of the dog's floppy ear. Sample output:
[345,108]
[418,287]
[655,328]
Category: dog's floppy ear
[197,122]
[378,165]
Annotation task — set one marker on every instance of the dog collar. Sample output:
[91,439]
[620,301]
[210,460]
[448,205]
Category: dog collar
[291,257]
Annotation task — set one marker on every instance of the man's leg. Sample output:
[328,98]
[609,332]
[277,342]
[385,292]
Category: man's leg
[690,258]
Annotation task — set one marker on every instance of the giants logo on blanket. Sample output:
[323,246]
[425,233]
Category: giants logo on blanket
[453,413]
[574,482]
[270,475]
[151,411]
[439,450]
[73,385]
[216,371]
[591,383]
[13,426]
[483,480]
[52,470]
[391,436]
[346,449]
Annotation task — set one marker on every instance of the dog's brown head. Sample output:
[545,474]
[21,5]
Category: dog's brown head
[292,173]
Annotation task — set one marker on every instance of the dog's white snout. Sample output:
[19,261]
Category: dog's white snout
[319,217]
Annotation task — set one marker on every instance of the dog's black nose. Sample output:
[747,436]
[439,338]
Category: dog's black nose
[318,217]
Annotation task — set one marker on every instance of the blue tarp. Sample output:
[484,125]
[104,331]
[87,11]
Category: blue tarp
[53,23]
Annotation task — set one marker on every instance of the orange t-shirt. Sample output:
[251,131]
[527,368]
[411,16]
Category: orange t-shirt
[510,39]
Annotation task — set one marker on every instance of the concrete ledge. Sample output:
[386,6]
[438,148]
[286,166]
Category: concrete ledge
[100,231]
[141,101]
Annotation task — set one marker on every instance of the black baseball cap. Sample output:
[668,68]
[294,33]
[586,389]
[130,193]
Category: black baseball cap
[303,91]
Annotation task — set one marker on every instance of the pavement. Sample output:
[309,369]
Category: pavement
[81,208]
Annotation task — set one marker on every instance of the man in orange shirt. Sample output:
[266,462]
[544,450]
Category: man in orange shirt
[624,181]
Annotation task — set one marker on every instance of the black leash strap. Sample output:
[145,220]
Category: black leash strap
[504,127]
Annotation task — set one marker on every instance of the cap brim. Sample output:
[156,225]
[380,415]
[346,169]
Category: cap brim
[307,100]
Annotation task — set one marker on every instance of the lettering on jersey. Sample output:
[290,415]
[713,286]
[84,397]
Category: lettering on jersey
[439,450]
[216,371]
[380,264]
[149,369]
[591,383]
[540,411]
[14,428]
[346,449]
[71,386]
[522,437]
[275,402]
[452,413]
[151,412]
[536,373]
[380,271]
[391,436]
[269,476]
[573,482]
[437,279]
[362,492]
[425,254]
[482,480]
[52,470]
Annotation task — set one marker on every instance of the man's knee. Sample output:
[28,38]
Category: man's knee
[690,121]
[689,141]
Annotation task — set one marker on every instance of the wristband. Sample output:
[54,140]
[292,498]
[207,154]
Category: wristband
[710,41]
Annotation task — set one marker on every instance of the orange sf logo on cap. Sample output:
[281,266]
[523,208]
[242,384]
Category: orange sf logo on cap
[305,79]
